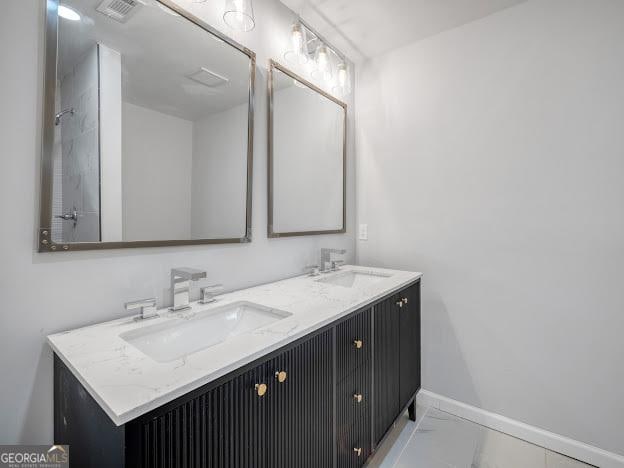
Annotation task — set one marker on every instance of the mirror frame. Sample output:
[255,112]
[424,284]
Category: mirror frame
[45,243]
[273,65]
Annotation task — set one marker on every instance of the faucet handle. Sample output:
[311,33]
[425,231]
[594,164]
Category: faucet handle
[314,269]
[207,293]
[147,308]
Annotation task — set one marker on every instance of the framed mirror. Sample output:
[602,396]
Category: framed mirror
[307,157]
[148,127]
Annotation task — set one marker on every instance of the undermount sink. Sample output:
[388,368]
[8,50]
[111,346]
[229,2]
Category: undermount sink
[187,334]
[353,279]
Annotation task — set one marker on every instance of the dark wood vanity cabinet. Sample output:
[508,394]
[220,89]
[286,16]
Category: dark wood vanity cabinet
[223,426]
[396,365]
[301,412]
[326,400]
[386,365]
[278,414]
[409,339]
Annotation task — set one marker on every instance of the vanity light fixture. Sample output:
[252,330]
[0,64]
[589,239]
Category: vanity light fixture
[298,55]
[239,15]
[67,13]
[305,39]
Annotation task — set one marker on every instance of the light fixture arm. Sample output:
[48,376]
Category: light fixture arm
[316,36]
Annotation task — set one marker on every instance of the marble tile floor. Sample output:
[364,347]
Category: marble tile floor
[441,440]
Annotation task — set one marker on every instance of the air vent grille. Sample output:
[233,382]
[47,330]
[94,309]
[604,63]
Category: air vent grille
[119,10]
[208,78]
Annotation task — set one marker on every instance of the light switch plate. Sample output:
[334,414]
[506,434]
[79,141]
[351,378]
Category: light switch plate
[363,232]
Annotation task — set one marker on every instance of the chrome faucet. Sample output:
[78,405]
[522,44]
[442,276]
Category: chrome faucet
[326,258]
[181,279]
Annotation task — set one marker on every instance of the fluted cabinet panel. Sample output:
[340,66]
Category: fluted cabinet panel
[224,427]
[348,406]
[409,375]
[354,418]
[301,413]
[386,365]
[232,426]
[354,346]
[348,355]
[354,444]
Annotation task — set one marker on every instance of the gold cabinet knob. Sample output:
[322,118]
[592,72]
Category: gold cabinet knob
[358,344]
[400,303]
[405,300]
[358,451]
[281,376]
[261,389]
[358,397]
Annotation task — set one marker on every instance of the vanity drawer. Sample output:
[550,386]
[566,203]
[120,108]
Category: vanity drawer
[354,441]
[353,343]
[353,396]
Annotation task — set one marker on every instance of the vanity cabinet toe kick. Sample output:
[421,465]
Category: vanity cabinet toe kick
[325,400]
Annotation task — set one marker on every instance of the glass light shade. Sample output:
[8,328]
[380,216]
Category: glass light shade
[310,67]
[343,79]
[298,54]
[323,64]
[239,15]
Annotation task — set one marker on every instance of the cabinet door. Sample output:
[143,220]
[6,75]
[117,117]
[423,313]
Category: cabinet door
[410,343]
[224,427]
[301,407]
[386,365]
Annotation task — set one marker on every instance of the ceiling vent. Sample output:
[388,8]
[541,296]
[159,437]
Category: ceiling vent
[208,78]
[119,10]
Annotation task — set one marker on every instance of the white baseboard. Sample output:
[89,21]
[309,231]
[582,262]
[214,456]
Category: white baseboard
[555,442]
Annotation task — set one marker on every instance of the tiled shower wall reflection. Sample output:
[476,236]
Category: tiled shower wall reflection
[79,161]
[57,174]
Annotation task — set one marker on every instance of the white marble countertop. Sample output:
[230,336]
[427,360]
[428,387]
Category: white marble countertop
[127,383]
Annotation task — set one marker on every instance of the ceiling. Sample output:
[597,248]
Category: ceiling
[362,29]
[159,50]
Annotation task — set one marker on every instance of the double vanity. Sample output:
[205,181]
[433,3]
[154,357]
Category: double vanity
[310,371]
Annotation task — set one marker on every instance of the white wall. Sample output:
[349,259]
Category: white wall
[491,158]
[45,293]
[219,185]
[157,161]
